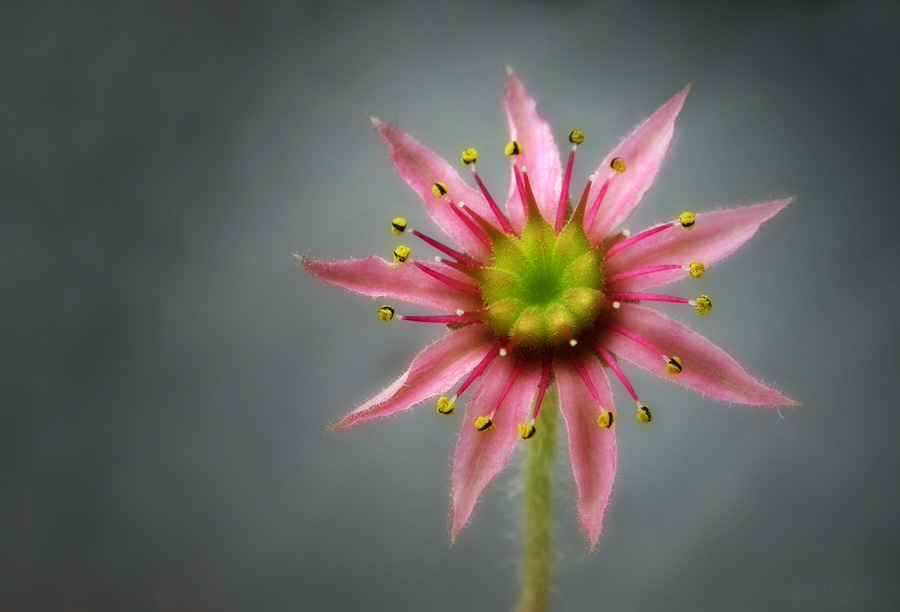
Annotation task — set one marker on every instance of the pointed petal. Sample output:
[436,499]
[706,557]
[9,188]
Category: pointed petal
[437,368]
[480,455]
[643,152]
[714,236]
[540,155]
[422,168]
[375,277]
[707,368]
[592,448]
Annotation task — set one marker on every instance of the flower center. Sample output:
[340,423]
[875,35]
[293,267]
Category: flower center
[542,289]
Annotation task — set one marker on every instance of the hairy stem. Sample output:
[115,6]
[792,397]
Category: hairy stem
[537,562]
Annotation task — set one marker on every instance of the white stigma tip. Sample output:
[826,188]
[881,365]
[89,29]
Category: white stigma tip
[460,312]
[591,178]
[626,233]
[573,342]
[503,352]
[616,304]
[439,260]
[461,204]
[692,302]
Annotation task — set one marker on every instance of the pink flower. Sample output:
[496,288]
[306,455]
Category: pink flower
[548,292]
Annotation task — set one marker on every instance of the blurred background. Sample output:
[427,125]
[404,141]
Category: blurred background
[169,373]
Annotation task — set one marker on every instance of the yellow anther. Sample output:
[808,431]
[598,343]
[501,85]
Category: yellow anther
[513,148]
[483,423]
[643,414]
[401,254]
[618,164]
[697,269]
[606,419]
[469,156]
[526,430]
[674,366]
[398,226]
[576,137]
[704,305]
[439,189]
[687,219]
[385,313]
[445,406]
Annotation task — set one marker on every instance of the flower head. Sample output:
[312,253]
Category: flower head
[549,291]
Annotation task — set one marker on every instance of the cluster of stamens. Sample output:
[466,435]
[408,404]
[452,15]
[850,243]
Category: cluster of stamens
[543,286]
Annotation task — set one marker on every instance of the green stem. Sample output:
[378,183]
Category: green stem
[537,562]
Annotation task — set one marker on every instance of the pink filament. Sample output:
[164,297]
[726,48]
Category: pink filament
[612,279]
[446,319]
[520,184]
[504,222]
[480,368]
[477,231]
[520,363]
[542,388]
[564,194]
[452,282]
[579,367]
[635,239]
[644,297]
[447,250]
[611,362]
[619,329]
[591,214]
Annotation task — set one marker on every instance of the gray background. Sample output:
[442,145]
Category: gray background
[168,373]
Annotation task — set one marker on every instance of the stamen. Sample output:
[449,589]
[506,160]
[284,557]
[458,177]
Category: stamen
[483,423]
[501,218]
[531,209]
[486,225]
[467,270]
[578,213]
[687,220]
[401,254]
[702,304]
[579,367]
[606,419]
[451,282]
[444,319]
[546,362]
[446,250]
[576,137]
[614,366]
[517,369]
[520,186]
[526,430]
[643,414]
[445,406]
[591,213]
[398,226]
[477,231]
[479,369]
[439,189]
[512,149]
[385,313]
[624,244]
[697,269]
[619,277]
[646,297]
[618,164]
[673,365]
[469,156]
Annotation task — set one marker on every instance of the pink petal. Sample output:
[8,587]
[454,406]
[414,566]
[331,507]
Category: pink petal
[422,168]
[642,152]
[714,236]
[437,368]
[375,277]
[591,447]
[707,368]
[480,455]
[540,155]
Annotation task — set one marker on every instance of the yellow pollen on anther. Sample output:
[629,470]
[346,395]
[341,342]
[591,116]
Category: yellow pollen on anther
[483,423]
[385,313]
[704,305]
[697,269]
[469,156]
[674,366]
[576,137]
[398,226]
[606,419]
[643,414]
[526,430]
[439,189]
[445,406]
[687,219]
[401,254]
[618,164]
[513,148]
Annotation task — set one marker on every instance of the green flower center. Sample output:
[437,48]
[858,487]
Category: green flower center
[543,289]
